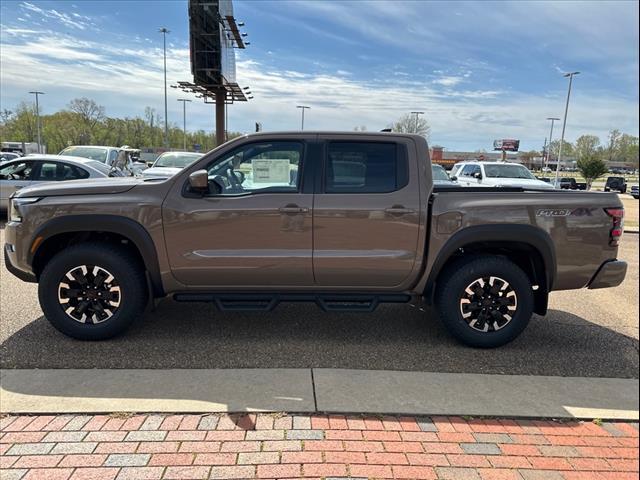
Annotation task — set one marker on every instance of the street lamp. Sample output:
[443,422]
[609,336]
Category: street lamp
[164,32]
[564,123]
[184,120]
[36,93]
[553,119]
[415,130]
[303,107]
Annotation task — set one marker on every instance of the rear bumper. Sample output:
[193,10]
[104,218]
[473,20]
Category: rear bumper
[610,274]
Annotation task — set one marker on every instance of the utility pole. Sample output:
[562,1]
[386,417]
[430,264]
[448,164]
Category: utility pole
[303,107]
[184,120]
[36,93]
[415,128]
[553,119]
[564,123]
[164,32]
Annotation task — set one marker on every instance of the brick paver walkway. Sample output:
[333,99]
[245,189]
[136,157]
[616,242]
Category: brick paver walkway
[316,446]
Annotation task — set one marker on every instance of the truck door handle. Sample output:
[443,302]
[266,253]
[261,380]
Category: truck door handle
[398,210]
[292,208]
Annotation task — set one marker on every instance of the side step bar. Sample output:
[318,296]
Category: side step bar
[265,302]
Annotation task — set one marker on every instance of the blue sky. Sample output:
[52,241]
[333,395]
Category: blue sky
[479,70]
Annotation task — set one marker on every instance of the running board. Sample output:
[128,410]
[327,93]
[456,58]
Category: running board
[265,302]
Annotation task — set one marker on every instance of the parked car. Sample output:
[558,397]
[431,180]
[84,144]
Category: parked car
[440,176]
[634,192]
[568,183]
[346,220]
[8,156]
[618,184]
[34,169]
[116,157]
[170,163]
[498,174]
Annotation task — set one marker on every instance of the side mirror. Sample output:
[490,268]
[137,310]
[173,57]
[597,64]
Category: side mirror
[477,175]
[199,181]
[150,164]
[454,179]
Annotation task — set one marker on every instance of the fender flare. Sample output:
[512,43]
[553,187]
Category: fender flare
[503,233]
[124,226]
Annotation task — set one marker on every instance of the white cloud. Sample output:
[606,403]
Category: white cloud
[448,81]
[127,77]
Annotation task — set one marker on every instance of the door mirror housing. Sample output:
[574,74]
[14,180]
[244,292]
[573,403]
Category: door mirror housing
[477,175]
[199,181]
[454,179]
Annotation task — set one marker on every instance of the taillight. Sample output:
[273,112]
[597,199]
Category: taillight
[617,215]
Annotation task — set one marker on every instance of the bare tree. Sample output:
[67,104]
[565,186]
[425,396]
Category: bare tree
[412,124]
[89,111]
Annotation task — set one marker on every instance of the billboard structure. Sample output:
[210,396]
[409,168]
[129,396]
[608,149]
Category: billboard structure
[506,145]
[213,37]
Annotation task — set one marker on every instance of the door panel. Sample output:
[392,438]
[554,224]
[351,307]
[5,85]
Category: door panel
[246,236]
[364,234]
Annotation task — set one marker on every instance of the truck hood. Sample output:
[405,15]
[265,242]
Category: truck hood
[522,183]
[160,172]
[96,186]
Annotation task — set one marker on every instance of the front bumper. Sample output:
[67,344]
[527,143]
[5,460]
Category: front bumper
[14,256]
[10,260]
[610,274]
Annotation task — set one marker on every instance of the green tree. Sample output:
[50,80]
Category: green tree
[586,145]
[591,166]
[628,149]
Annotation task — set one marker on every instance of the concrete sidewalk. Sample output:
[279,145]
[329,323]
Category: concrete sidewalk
[316,390]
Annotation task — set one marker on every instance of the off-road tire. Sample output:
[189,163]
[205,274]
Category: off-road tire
[450,291]
[127,272]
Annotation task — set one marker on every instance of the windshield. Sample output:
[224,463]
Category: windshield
[94,153]
[439,173]
[179,160]
[508,171]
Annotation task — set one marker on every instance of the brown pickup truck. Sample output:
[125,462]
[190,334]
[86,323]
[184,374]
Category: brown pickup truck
[345,220]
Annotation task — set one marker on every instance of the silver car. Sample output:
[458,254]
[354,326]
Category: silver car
[33,169]
[170,163]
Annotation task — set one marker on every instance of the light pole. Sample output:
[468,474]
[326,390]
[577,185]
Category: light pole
[303,107]
[36,93]
[564,123]
[415,129]
[184,120]
[164,32]
[553,119]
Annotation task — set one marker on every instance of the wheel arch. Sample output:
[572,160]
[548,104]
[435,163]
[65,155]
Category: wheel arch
[55,234]
[529,247]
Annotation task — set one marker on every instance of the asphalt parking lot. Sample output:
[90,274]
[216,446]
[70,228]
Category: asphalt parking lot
[586,333]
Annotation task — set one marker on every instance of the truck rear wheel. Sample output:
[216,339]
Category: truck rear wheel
[92,291]
[484,301]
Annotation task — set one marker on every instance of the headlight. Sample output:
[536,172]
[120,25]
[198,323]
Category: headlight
[15,215]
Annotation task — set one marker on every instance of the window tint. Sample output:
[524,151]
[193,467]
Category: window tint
[56,171]
[113,155]
[269,166]
[470,170]
[16,171]
[365,167]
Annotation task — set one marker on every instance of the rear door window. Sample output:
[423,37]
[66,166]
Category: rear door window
[365,167]
[58,171]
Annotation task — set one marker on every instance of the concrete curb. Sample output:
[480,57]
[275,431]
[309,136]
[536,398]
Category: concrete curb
[317,390]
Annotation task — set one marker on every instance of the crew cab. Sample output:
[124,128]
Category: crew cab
[345,220]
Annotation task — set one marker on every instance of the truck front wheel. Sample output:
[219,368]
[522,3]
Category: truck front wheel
[484,301]
[92,291]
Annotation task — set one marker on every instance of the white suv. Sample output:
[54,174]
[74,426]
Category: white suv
[498,174]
